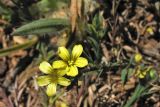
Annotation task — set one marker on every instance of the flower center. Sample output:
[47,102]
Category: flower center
[70,63]
[54,78]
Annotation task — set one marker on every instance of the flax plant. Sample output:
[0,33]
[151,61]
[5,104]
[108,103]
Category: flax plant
[51,78]
[70,61]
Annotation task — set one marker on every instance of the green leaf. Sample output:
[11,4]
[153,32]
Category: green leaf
[124,75]
[140,89]
[92,31]
[42,26]
[7,51]
[95,46]
[97,21]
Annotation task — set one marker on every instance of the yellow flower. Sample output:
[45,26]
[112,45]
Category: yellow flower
[138,58]
[70,62]
[60,104]
[52,78]
[150,30]
[142,73]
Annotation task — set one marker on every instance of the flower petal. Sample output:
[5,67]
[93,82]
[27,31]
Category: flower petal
[63,53]
[73,71]
[61,72]
[142,75]
[45,67]
[77,51]
[81,62]
[64,81]
[43,80]
[51,89]
[59,64]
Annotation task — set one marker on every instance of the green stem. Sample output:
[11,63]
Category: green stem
[137,93]
[53,99]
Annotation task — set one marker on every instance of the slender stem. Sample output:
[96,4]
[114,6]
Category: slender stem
[53,99]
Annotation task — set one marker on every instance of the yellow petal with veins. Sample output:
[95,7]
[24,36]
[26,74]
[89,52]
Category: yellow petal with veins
[81,62]
[51,89]
[64,81]
[61,72]
[76,52]
[43,80]
[63,53]
[59,64]
[45,67]
[73,71]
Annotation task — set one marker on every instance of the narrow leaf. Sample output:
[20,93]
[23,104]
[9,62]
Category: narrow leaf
[42,26]
[7,51]
[124,75]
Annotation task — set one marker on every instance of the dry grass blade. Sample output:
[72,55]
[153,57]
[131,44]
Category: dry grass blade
[28,73]
[79,5]
[4,101]
[75,10]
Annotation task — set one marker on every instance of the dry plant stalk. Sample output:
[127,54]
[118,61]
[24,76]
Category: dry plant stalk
[75,10]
